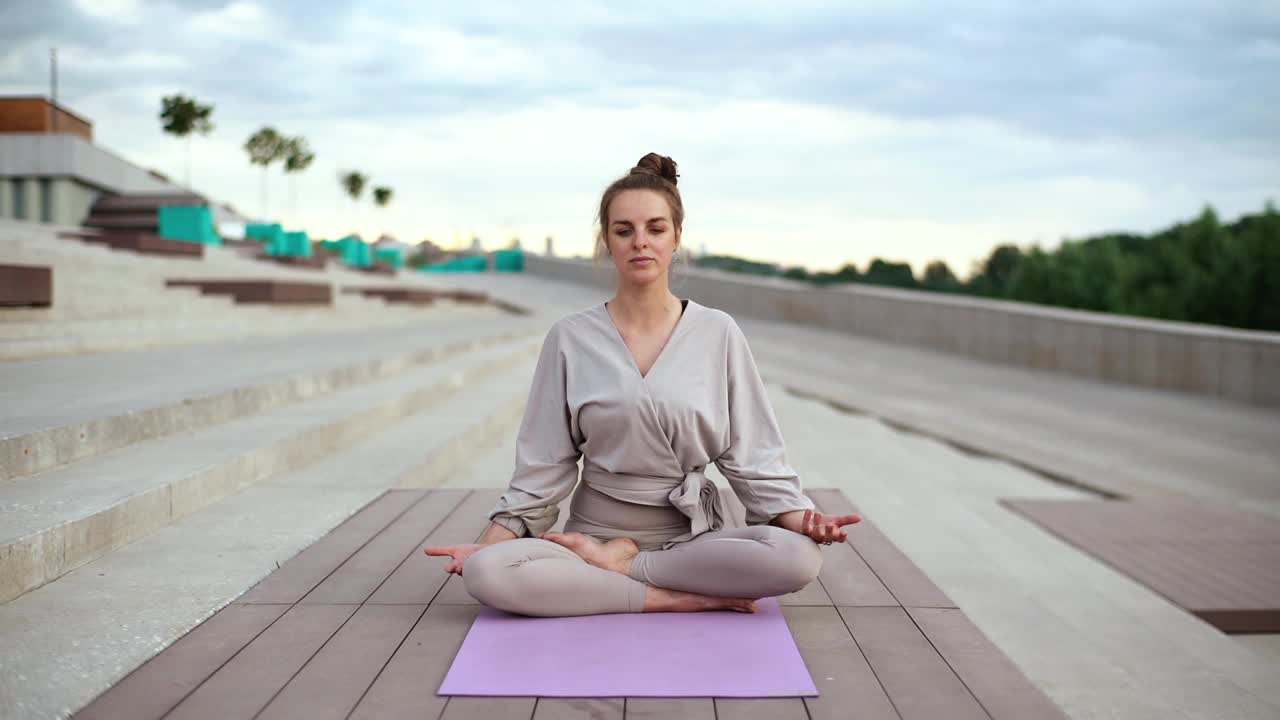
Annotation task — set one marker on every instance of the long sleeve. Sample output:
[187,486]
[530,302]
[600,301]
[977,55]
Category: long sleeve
[755,463]
[547,449]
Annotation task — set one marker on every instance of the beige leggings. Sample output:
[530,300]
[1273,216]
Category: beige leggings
[532,576]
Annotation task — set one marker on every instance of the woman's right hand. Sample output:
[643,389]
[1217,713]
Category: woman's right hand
[458,553]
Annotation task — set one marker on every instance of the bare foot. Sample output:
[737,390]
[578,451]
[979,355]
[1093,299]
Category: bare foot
[658,599]
[615,555]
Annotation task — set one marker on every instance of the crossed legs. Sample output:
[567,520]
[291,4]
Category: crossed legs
[721,569]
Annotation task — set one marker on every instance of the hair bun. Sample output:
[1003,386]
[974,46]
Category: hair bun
[659,165]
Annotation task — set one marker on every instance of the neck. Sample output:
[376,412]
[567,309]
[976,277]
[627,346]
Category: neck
[651,304]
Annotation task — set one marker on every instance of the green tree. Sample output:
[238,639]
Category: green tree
[993,273]
[939,278]
[382,196]
[183,116]
[265,147]
[892,274]
[297,158]
[353,183]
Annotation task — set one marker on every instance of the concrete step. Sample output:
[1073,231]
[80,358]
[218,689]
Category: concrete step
[61,410]
[114,334]
[54,522]
[64,643]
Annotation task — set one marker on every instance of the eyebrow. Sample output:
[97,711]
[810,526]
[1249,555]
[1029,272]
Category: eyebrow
[628,222]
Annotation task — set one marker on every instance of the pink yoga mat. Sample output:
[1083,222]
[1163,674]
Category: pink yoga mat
[706,654]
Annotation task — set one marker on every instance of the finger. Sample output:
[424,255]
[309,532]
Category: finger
[446,550]
[848,520]
[816,533]
[842,536]
[805,525]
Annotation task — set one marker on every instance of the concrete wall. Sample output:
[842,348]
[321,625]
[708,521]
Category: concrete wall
[68,200]
[1238,365]
[20,199]
[71,201]
[47,155]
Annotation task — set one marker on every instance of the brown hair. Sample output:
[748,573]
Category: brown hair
[653,172]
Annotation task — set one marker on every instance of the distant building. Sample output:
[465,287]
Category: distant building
[426,253]
[50,169]
[551,250]
[386,241]
[476,247]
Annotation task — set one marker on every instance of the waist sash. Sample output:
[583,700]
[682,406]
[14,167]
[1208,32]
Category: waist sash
[693,495]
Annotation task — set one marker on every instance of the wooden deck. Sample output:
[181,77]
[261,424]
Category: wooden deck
[363,625]
[1221,565]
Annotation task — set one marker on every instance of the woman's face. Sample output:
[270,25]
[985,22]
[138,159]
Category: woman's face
[641,236]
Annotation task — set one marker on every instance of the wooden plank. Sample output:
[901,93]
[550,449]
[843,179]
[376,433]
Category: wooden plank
[908,583]
[399,543]
[810,595]
[157,686]
[847,686]
[406,687]
[148,243]
[489,708]
[247,683]
[309,568]
[579,709]
[845,576]
[26,285]
[465,524]
[419,578]
[1220,564]
[760,709]
[647,708]
[331,683]
[1003,690]
[918,681]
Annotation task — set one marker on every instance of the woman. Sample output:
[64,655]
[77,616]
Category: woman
[648,389]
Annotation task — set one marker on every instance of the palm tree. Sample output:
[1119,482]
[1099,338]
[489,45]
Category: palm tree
[298,157]
[353,183]
[265,147]
[382,196]
[183,116]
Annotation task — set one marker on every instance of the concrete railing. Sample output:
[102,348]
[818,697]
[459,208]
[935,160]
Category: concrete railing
[1239,365]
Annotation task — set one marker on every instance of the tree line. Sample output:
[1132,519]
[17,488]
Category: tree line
[183,117]
[1202,271]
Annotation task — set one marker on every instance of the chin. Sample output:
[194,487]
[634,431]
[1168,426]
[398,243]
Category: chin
[642,275]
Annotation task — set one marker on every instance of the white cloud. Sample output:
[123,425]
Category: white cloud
[816,133]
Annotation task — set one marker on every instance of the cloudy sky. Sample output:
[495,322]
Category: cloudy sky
[807,133]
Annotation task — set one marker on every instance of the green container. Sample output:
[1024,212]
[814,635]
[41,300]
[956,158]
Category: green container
[508,260]
[193,223]
[472,263]
[350,250]
[266,232]
[394,256]
[293,244]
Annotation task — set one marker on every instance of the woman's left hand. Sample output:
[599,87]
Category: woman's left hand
[824,529]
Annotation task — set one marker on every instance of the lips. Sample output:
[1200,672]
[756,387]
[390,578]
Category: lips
[641,260]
